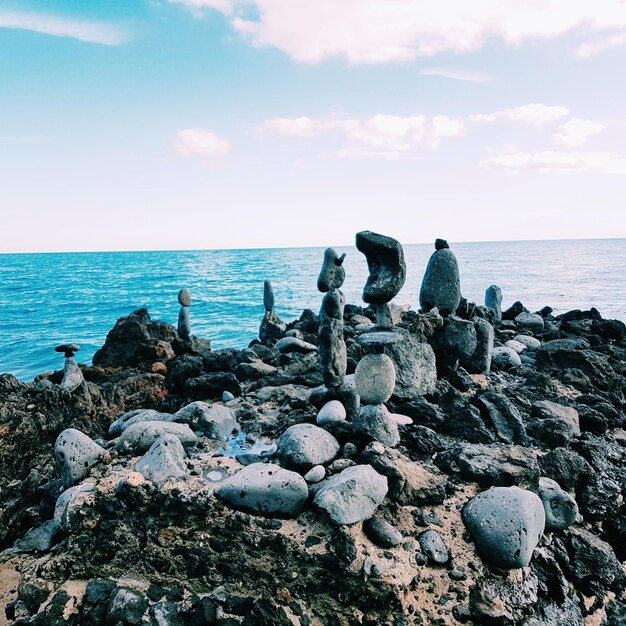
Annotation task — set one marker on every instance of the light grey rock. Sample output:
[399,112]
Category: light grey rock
[384,317]
[375,421]
[416,369]
[292,344]
[386,265]
[518,346]
[38,539]
[268,296]
[332,412]
[265,489]
[303,446]
[165,460]
[506,524]
[493,299]
[434,547]
[560,508]
[531,321]
[254,370]
[375,378]
[72,375]
[332,274]
[213,420]
[184,297]
[138,438]
[505,357]
[382,533]
[315,474]
[532,343]
[134,417]
[353,495]
[75,454]
[441,286]
[227,396]
[69,503]
[480,361]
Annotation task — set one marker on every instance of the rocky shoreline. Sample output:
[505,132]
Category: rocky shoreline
[360,465]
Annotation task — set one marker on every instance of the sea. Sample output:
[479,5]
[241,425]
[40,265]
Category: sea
[51,298]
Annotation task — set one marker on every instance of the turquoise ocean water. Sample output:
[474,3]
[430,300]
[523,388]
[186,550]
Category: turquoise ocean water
[48,299]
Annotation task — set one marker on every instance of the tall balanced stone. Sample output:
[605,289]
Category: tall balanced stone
[493,300]
[184,325]
[441,286]
[387,272]
[72,374]
[331,344]
[272,327]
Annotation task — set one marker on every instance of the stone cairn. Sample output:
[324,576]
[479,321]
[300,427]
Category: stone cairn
[184,325]
[72,374]
[272,327]
[375,376]
[331,345]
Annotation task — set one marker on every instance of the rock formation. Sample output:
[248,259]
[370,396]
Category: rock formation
[72,374]
[272,327]
[441,286]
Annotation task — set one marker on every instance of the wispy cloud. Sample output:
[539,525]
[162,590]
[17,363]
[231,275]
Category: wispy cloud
[534,114]
[550,161]
[454,74]
[382,31]
[201,143]
[384,136]
[575,132]
[591,48]
[92,32]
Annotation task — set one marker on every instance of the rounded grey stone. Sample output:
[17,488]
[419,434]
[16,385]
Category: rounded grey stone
[505,357]
[138,438]
[303,446]
[72,375]
[433,547]
[382,533]
[506,524]
[352,495]
[213,420]
[518,346]
[332,412]
[134,417]
[532,343]
[377,422]
[184,297]
[165,460]
[493,300]
[268,296]
[532,321]
[265,489]
[560,508]
[293,344]
[68,505]
[379,338]
[315,474]
[375,378]
[441,286]
[75,454]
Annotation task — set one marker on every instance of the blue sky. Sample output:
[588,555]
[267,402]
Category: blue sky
[160,124]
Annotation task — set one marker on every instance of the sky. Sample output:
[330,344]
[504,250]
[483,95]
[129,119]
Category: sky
[206,124]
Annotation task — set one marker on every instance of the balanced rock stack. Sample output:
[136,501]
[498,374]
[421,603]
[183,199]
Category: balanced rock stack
[272,327]
[184,325]
[72,374]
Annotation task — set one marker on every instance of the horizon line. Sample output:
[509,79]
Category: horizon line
[419,243]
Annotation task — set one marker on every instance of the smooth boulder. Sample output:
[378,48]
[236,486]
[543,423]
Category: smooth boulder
[138,438]
[265,489]
[441,286]
[376,422]
[75,454]
[375,378]
[213,420]
[506,524]
[303,446]
[560,508]
[165,460]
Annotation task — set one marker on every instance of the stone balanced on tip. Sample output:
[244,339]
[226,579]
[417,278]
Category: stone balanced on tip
[441,286]
[184,325]
[72,374]
[272,327]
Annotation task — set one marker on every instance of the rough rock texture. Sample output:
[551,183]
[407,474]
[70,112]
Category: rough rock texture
[139,437]
[75,454]
[376,422]
[165,460]
[560,508]
[375,378]
[441,286]
[387,269]
[506,524]
[303,446]
[265,488]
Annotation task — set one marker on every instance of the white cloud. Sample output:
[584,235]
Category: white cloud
[453,74]
[380,31]
[381,135]
[559,162]
[591,48]
[92,32]
[575,132]
[534,114]
[199,142]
